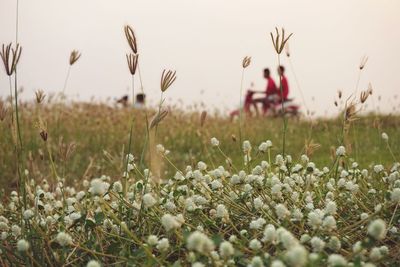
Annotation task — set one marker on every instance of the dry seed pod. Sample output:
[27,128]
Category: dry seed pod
[75,55]
[279,41]
[287,50]
[10,57]
[203,118]
[246,62]
[40,96]
[132,60]
[131,38]
[158,118]
[339,94]
[167,79]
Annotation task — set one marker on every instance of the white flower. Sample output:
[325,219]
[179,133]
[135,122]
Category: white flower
[336,260]
[257,224]
[269,233]
[152,240]
[15,230]
[98,187]
[222,211]
[28,214]
[22,245]
[256,262]
[117,187]
[255,244]
[375,254]
[395,195]
[296,256]
[277,263]
[258,203]
[377,229]
[246,146]
[281,211]
[226,249]
[214,142]
[318,244]
[263,147]
[63,239]
[385,137]
[201,166]
[170,222]
[340,151]
[199,242]
[160,149]
[149,200]
[163,244]
[198,264]
[93,263]
[334,243]
[329,223]
[330,208]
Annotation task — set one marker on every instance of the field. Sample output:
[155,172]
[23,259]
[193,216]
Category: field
[91,184]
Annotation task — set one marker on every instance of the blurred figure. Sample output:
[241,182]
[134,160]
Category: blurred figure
[285,84]
[140,101]
[271,93]
[123,101]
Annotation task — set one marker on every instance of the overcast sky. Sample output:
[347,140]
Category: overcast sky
[205,42]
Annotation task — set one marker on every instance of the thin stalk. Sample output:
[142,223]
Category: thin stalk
[133,90]
[283,111]
[11,100]
[127,158]
[147,123]
[240,110]
[66,80]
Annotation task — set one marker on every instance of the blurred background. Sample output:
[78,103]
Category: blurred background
[205,41]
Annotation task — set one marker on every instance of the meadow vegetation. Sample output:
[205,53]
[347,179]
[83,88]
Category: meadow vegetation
[88,184]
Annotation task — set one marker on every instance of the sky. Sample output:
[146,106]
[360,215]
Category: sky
[205,42]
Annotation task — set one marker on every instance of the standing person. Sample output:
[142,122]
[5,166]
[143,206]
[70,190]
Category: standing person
[285,85]
[271,92]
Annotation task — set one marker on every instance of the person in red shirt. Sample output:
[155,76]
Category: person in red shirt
[285,86]
[271,92]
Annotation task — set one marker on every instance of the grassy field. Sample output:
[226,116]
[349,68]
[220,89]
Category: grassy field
[89,139]
[86,184]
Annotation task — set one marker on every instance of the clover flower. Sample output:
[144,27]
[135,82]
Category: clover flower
[22,245]
[222,212]
[256,261]
[226,249]
[214,142]
[93,263]
[98,187]
[199,242]
[246,146]
[254,244]
[163,244]
[334,243]
[171,222]
[152,240]
[341,151]
[317,244]
[149,200]
[385,137]
[395,195]
[336,260]
[377,229]
[296,256]
[63,239]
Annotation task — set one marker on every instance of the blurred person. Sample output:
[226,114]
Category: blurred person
[140,101]
[285,85]
[123,101]
[271,93]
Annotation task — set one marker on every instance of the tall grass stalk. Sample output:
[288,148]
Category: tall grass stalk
[245,63]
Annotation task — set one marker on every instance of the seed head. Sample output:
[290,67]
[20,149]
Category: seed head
[339,94]
[75,55]
[131,38]
[203,118]
[40,95]
[279,44]
[158,118]
[3,111]
[167,79]
[246,62]
[363,61]
[132,60]
[10,57]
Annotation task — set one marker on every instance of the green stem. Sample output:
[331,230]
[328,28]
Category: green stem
[283,110]
[240,111]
